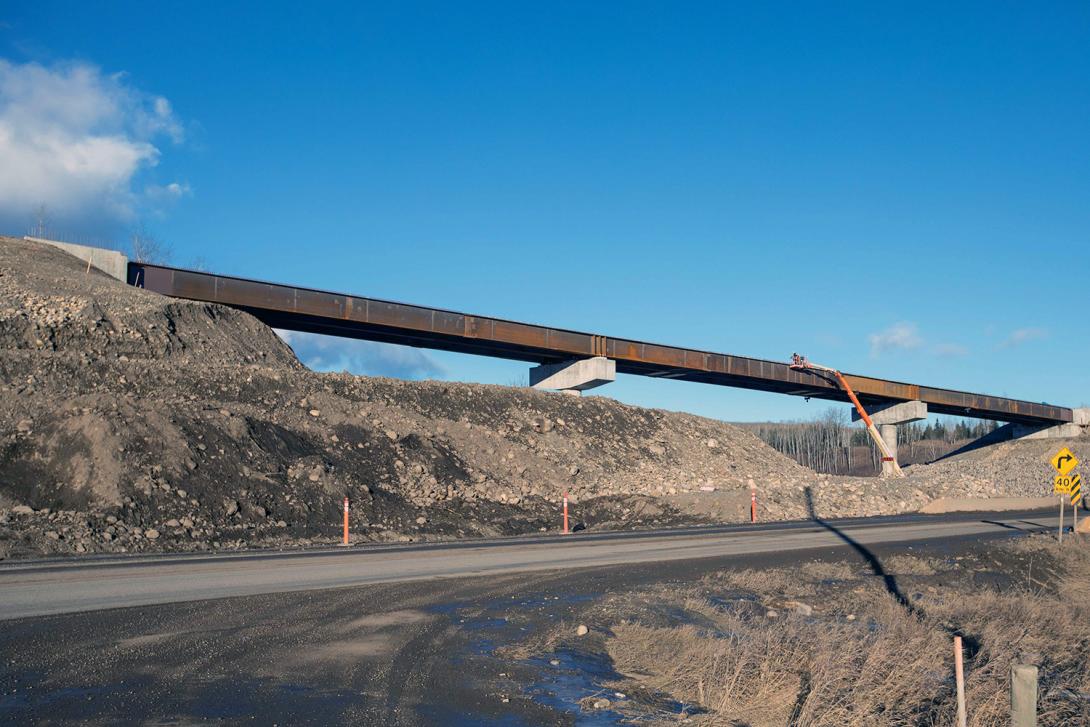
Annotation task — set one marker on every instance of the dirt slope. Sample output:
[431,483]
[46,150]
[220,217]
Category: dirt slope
[144,422]
[130,421]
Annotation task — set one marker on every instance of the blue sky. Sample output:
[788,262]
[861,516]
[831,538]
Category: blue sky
[899,191]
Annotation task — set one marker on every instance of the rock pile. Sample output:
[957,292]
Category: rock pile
[132,422]
[129,421]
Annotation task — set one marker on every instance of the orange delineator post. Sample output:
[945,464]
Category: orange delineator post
[959,681]
[753,503]
[565,513]
[345,521]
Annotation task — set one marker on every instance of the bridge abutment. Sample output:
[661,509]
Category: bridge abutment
[575,376]
[1080,423]
[111,262]
[1058,431]
[887,417]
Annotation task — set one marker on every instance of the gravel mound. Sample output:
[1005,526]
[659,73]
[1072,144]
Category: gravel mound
[130,421]
[134,422]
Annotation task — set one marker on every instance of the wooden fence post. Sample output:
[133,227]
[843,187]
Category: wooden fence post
[1023,695]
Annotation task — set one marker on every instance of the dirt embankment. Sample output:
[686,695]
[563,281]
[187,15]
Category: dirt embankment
[129,421]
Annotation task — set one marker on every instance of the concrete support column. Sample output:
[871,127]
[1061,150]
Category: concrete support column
[887,417]
[889,436]
[574,377]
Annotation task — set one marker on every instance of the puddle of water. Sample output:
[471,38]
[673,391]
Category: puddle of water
[580,675]
[577,676]
[447,609]
[10,704]
[476,621]
[494,617]
[557,687]
[554,600]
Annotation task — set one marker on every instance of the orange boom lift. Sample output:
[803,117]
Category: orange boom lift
[800,363]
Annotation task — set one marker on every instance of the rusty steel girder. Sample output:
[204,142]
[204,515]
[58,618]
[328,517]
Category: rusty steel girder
[316,311]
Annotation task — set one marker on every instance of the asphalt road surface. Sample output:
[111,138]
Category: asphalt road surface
[377,635]
[37,589]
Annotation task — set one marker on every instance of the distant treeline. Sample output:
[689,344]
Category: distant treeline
[832,444]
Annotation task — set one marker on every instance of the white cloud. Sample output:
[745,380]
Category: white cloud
[951,350]
[1023,335]
[902,336]
[73,138]
[168,192]
[330,353]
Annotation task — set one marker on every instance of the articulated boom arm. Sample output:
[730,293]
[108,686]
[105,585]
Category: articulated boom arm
[799,362]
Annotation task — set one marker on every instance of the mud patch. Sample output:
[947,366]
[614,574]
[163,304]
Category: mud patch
[348,650]
[389,619]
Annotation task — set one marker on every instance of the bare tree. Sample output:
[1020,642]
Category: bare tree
[146,248]
[831,444]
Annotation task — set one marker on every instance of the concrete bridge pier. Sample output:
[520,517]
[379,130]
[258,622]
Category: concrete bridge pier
[886,418]
[575,376]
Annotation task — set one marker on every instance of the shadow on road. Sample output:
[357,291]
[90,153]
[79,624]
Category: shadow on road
[875,565]
[972,644]
[1011,527]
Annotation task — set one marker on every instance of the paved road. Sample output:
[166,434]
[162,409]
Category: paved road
[43,588]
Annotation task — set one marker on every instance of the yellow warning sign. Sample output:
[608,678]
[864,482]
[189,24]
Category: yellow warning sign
[1075,493]
[1062,484]
[1064,461]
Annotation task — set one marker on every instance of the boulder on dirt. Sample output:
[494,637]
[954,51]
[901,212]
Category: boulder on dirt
[800,608]
[594,703]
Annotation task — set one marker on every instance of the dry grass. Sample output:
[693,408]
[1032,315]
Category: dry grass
[910,565]
[890,666]
[790,671]
[762,581]
[831,571]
